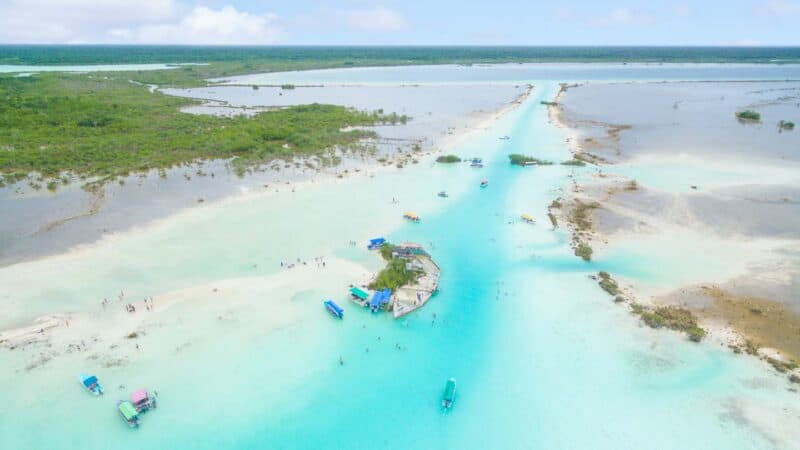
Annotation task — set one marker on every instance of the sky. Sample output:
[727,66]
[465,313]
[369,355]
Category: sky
[407,22]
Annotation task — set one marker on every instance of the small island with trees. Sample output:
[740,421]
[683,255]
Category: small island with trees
[524,160]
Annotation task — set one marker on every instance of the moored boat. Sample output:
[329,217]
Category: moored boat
[476,162]
[129,413]
[142,401]
[528,218]
[411,216]
[334,309]
[484,183]
[91,383]
[442,194]
[376,243]
[449,396]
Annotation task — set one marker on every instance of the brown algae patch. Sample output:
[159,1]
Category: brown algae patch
[763,323]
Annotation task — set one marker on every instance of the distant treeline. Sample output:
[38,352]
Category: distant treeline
[357,55]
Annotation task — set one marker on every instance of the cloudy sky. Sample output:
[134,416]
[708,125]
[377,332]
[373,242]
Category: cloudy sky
[514,22]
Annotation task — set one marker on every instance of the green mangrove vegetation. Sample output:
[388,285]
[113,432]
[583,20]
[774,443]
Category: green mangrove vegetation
[396,274]
[607,283]
[448,159]
[574,162]
[584,251]
[748,115]
[106,126]
[524,160]
[785,125]
[672,317]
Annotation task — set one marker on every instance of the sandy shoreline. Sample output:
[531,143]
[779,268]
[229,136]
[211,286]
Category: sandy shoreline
[605,219]
[79,327]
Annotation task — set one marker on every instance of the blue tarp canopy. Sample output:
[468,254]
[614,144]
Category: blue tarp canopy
[331,304]
[88,381]
[380,298]
[377,242]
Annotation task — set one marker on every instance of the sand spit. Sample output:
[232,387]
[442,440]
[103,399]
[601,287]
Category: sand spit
[113,335]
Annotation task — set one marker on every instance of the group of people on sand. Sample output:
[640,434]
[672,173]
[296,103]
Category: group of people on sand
[129,307]
[318,260]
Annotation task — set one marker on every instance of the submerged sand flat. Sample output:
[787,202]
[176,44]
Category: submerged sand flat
[243,354]
[722,192]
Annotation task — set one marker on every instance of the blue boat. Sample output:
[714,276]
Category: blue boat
[449,396]
[91,384]
[376,243]
[333,308]
[380,299]
[476,162]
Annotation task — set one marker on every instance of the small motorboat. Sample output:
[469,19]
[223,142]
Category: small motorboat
[484,183]
[443,194]
[91,384]
[129,413]
[528,218]
[505,138]
[376,243]
[476,162]
[411,216]
[449,396]
[142,401]
[335,310]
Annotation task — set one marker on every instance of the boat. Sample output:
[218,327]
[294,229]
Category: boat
[476,162]
[91,384]
[142,401]
[528,218]
[411,216]
[359,295]
[484,183]
[376,243]
[449,396]
[334,309]
[129,413]
[505,138]
[380,299]
[442,194]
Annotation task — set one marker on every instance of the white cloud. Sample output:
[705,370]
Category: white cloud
[780,7]
[378,18]
[204,25]
[620,16]
[57,21]
[132,21]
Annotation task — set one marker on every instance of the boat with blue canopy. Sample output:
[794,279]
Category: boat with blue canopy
[91,383]
[334,309]
[476,162]
[449,396]
[129,413]
[376,243]
[380,299]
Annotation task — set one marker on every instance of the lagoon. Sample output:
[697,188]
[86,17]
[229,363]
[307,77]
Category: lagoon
[244,355]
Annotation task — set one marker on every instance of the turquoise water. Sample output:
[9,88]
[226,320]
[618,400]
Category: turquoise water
[543,358]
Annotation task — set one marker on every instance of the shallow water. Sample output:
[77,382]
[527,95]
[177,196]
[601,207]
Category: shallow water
[542,356]
[523,73]
[28,69]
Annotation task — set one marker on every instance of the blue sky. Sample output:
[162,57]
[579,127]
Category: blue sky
[512,22]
